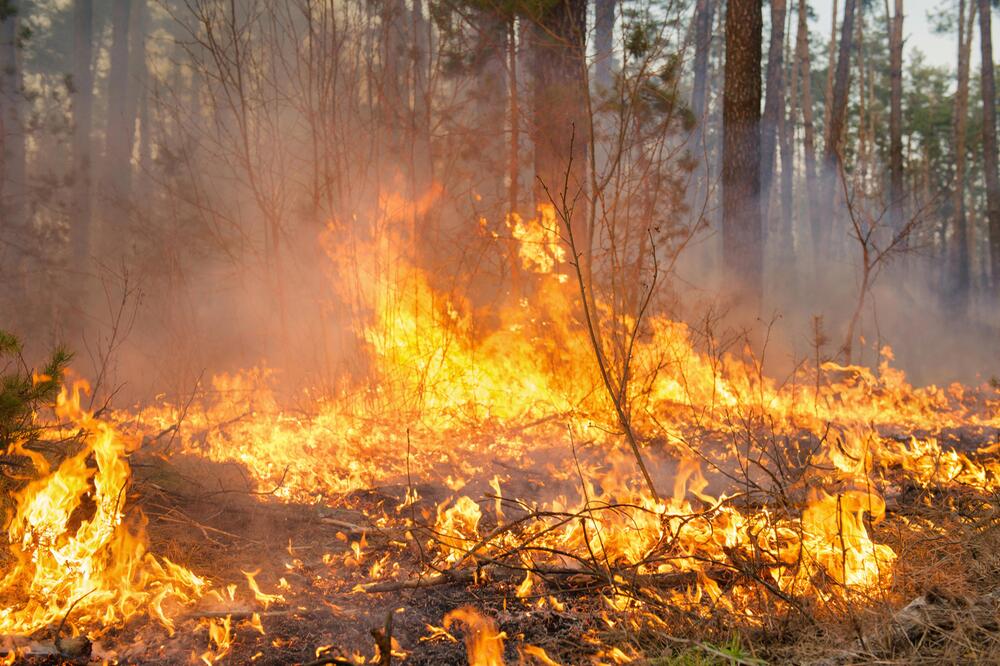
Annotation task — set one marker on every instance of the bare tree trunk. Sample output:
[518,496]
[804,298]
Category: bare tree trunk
[831,52]
[742,249]
[491,85]
[138,75]
[786,131]
[422,164]
[83,92]
[808,126]
[13,160]
[838,110]
[393,90]
[604,29]
[990,138]
[702,46]
[13,164]
[704,11]
[774,104]
[960,255]
[120,127]
[896,117]
[561,129]
[514,151]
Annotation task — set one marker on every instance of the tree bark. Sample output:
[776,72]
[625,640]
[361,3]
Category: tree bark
[701,177]
[120,126]
[960,232]
[604,30]
[742,250]
[138,77]
[988,86]
[838,110]
[808,126]
[896,117]
[560,105]
[83,92]
[786,132]
[491,106]
[702,46]
[13,161]
[831,52]
[774,104]
[514,109]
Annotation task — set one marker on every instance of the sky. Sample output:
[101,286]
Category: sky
[937,49]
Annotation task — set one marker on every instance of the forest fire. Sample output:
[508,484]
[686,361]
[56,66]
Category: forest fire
[498,332]
[453,408]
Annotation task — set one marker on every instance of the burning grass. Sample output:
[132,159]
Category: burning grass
[473,500]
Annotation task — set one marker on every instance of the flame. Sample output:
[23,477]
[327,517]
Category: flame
[74,552]
[261,597]
[220,635]
[449,393]
[483,644]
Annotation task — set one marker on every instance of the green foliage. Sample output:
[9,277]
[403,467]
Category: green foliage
[706,654]
[23,392]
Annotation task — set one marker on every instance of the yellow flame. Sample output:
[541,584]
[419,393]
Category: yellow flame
[483,644]
[71,546]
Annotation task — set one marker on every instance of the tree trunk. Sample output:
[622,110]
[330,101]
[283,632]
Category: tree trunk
[120,127]
[774,104]
[960,232]
[786,131]
[742,250]
[422,163]
[896,117]
[560,105]
[990,138]
[83,93]
[514,109]
[604,30]
[13,224]
[394,96]
[12,173]
[702,47]
[831,52]
[701,176]
[491,106]
[838,111]
[808,125]
[138,75]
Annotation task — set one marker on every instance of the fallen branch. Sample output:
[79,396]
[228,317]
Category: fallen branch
[443,578]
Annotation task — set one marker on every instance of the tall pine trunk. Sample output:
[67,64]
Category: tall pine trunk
[990,138]
[960,231]
[786,131]
[83,95]
[561,128]
[491,107]
[701,177]
[13,161]
[514,112]
[774,104]
[120,126]
[742,250]
[702,46]
[831,52]
[896,117]
[604,28]
[838,114]
[13,166]
[808,125]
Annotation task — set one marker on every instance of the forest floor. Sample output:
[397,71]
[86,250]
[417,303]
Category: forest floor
[201,515]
